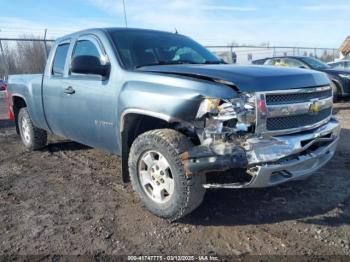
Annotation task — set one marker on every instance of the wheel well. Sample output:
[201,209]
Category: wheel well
[18,103]
[339,86]
[135,125]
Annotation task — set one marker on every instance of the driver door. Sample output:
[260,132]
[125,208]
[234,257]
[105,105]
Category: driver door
[90,105]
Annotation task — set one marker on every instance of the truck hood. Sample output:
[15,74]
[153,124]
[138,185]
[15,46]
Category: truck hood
[247,78]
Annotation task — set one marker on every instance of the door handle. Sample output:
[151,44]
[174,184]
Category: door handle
[69,90]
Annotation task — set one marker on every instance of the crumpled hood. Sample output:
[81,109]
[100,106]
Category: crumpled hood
[248,78]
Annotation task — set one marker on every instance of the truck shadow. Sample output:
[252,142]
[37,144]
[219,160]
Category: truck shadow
[323,199]
[65,146]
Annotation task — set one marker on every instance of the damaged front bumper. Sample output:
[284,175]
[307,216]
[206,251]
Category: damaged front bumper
[268,160]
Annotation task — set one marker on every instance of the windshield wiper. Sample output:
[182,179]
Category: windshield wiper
[208,62]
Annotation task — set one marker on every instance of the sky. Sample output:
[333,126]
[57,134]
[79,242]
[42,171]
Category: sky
[310,23]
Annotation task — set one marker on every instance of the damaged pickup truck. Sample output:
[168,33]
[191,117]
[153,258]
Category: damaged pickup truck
[182,120]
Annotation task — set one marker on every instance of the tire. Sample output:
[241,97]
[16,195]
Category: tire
[187,193]
[32,137]
[336,90]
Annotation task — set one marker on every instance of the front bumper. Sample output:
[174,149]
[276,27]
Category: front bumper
[273,160]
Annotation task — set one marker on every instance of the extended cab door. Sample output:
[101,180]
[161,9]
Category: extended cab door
[89,103]
[53,92]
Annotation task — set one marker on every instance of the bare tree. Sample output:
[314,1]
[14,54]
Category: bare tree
[23,57]
[8,60]
[32,56]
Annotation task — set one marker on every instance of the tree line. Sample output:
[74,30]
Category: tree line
[22,57]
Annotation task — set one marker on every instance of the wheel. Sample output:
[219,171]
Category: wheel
[158,176]
[33,138]
[335,91]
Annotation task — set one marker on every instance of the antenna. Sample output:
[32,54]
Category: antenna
[125,20]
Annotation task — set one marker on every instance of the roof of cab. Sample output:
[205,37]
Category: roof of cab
[109,30]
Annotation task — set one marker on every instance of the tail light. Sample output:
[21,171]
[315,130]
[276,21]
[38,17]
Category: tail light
[9,103]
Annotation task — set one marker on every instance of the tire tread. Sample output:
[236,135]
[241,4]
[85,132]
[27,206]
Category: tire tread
[177,143]
[39,135]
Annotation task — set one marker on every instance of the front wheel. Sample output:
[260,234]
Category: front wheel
[158,176]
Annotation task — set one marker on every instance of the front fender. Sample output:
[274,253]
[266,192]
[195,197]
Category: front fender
[171,98]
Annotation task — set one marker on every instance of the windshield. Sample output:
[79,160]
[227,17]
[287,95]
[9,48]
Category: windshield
[314,63]
[141,48]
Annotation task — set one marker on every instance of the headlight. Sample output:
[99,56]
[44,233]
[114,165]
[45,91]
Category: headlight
[347,76]
[226,108]
[208,105]
[226,116]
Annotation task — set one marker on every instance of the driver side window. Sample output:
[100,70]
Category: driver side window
[86,59]
[85,48]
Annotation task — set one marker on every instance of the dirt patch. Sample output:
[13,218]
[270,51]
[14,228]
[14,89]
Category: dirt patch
[69,199]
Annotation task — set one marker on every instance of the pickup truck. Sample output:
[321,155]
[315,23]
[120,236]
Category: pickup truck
[181,119]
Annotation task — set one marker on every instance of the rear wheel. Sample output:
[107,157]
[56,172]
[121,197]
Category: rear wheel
[158,176]
[33,138]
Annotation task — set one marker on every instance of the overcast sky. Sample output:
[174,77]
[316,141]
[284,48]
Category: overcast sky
[316,23]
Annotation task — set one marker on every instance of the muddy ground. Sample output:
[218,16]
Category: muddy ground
[69,199]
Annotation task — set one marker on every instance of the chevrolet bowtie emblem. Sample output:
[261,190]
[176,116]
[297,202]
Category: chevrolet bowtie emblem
[314,107]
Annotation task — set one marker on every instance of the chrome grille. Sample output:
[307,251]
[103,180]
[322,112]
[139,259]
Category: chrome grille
[288,122]
[277,99]
[290,111]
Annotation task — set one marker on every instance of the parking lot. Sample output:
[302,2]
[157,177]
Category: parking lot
[69,199]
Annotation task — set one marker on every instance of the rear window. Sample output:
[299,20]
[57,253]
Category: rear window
[60,59]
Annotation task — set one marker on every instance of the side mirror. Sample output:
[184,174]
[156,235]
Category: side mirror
[304,67]
[90,65]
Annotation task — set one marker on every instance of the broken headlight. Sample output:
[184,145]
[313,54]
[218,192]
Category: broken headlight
[222,117]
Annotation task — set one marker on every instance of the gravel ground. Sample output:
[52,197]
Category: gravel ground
[69,199]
